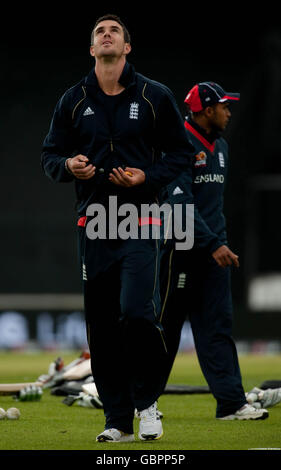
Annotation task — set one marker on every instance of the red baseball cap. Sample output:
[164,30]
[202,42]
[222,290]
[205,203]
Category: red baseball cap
[206,94]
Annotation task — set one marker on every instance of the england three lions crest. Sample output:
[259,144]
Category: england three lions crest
[134,111]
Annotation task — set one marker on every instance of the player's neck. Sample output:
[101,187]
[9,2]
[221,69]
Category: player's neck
[108,73]
[203,123]
[207,132]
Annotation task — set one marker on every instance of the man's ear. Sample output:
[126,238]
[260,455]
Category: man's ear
[92,51]
[209,111]
[127,48]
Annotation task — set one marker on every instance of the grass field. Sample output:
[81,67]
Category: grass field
[189,422]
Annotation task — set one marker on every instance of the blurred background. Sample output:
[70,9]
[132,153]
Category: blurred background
[44,51]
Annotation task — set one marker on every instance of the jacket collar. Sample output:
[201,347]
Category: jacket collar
[208,140]
[127,78]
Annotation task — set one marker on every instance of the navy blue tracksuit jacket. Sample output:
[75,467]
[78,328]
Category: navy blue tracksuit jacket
[142,124]
[135,129]
[192,283]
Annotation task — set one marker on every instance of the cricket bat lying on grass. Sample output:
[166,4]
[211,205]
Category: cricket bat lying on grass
[77,369]
[10,389]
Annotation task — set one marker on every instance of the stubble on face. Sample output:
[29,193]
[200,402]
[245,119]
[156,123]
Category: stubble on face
[108,40]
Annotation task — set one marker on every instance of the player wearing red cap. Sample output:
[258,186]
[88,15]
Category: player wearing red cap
[197,282]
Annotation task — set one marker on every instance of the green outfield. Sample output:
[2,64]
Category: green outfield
[189,422]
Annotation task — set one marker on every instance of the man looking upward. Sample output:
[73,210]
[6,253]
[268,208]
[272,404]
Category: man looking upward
[118,133]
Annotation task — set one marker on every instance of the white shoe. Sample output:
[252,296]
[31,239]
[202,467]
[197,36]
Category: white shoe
[113,435]
[150,427]
[247,412]
[159,414]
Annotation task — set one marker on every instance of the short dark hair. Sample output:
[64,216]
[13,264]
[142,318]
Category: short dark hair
[116,18]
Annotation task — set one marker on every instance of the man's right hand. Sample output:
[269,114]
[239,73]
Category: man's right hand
[225,257]
[79,168]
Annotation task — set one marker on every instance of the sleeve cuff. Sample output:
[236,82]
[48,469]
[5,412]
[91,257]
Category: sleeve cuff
[66,167]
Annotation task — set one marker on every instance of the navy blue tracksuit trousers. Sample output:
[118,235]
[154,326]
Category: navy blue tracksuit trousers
[126,342]
[193,285]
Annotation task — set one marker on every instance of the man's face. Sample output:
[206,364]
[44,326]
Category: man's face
[220,116]
[109,40]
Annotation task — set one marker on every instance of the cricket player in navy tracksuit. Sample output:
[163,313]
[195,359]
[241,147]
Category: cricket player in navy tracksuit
[197,282]
[116,121]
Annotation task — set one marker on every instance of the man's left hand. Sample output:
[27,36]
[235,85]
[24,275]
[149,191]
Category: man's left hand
[225,257]
[128,177]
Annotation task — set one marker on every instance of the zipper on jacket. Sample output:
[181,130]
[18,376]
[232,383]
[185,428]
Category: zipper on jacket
[111,145]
